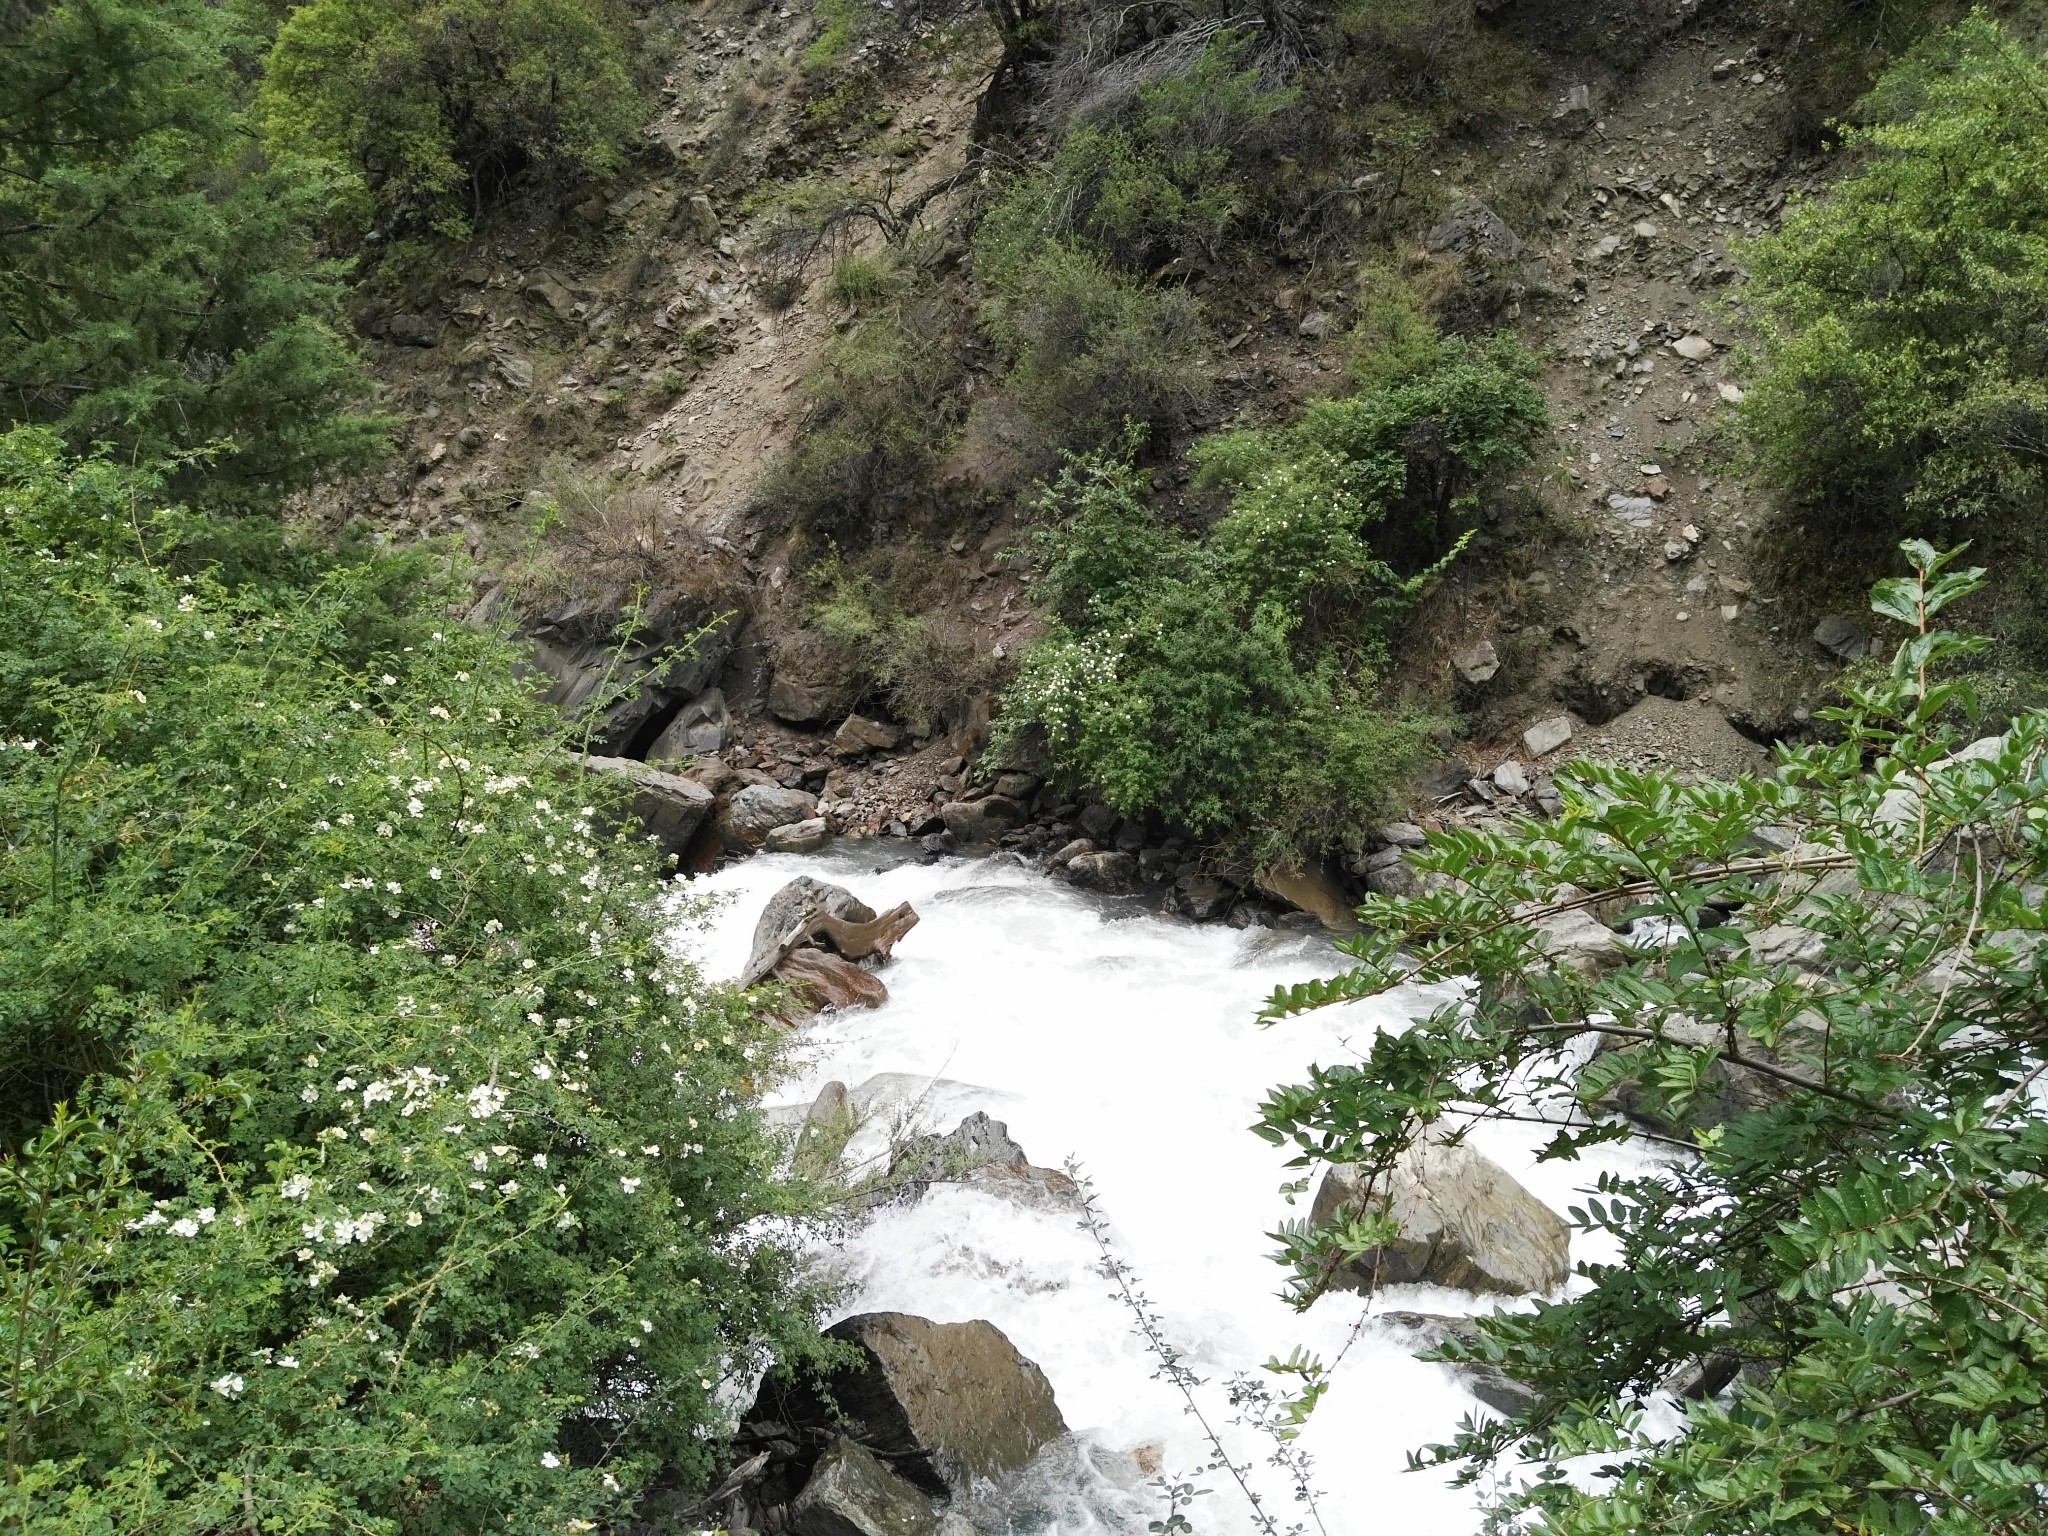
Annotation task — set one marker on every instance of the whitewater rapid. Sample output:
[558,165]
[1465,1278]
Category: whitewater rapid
[1128,1043]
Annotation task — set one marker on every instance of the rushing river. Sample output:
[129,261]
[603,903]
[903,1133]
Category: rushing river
[1128,1043]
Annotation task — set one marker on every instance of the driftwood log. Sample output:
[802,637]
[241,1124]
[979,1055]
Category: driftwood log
[852,941]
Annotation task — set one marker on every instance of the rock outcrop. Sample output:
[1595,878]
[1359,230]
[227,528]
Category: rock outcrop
[668,806]
[1465,1222]
[942,1405]
[758,809]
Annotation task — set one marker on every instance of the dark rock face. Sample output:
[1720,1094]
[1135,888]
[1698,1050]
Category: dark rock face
[579,647]
[670,807]
[941,1404]
[974,1143]
[806,700]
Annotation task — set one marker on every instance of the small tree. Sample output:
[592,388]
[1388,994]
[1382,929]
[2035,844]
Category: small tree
[1845,1265]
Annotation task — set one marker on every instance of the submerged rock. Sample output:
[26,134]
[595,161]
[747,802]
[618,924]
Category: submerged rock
[1465,1222]
[1489,1383]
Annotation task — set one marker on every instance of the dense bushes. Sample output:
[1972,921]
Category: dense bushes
[161,289]
[367,1162]
[1227,681]
[1905,313]
[1842,1264]
[436,106]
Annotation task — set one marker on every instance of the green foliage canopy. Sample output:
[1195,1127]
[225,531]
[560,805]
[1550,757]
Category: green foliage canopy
[160,285]
[1905,312]
[436,106]
[368,1160]
[1847,1248]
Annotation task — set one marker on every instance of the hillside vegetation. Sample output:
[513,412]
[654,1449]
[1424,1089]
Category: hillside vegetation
[368,1161]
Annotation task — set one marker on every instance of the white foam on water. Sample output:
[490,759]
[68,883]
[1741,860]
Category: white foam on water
[1129,1043]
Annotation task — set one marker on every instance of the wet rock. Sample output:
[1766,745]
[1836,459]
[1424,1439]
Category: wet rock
[1115,873]
[850,1493]
[857,735]
[1069,852]
[701,727]
[943,1404]
[1203,897]
[1489,1383]
[1477,663]
[1312,891]
[982,821]
[980,1153]
[1843,636]
[1465,1222]
[758,809]
[799,836]
[1546,736]
[670,807]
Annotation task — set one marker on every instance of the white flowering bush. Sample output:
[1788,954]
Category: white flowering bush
[366,1160]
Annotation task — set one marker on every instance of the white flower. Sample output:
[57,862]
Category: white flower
[415,807]
[308,1094]
[629,1185]
[413,1218]
[492,925]
[393,887]
[485,1100]
[509,1188]
[541,1070]
[297,1187]
[479,1161]
[438,712]
[550,1460]
[185,1226]
[229,1386]
[287,1362]
[205,1213]
[376,1093]
[540,1159]
[387,679]
[646,1326]
[383,829]
[346,1085]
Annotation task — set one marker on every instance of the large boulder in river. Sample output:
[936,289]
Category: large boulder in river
[790,905]
[758,809]
[1465,1222]
[981,821]
[1313,891]
[822,980]
[667,805]
[943,1404]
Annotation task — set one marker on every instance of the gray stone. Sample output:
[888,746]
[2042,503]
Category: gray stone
[857,735]
[1843,636]
[1546,736]
[945,1404]
[974,1143]
[1403,834]
[1474,230]
[758,809]
[1071,851]
[1464,1223]
[1575,113]
[1316,324]
[1636,511]
[1676,551]
[411,331]
[670,807]
[850,1493]
[1016,786]
[701,727]
[1694,349]
[799,836]
[1786,944]
[805,701]
[1510,779]
[1580,940]
[1394,878]
[1644,231]
[981,821]
[1477,663]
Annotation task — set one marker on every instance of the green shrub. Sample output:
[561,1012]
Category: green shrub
[160,288]
[1092,348]
[367,1161]
[883,404]
[1905,312]
[1228,680]
[920,663]
[1845,1042]
[438,105]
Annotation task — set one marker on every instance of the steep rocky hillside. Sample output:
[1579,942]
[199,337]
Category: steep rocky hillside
[602,389]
